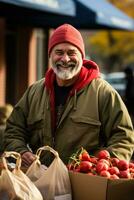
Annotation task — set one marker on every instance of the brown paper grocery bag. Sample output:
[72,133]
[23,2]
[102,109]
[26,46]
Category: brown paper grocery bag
[15,185]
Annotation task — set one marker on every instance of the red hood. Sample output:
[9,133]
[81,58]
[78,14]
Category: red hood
[89,71]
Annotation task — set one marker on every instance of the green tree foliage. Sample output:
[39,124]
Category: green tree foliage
[114,49]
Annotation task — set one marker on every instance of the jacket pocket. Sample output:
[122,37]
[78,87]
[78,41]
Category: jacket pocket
[35,124]
[86,120]
[86,131]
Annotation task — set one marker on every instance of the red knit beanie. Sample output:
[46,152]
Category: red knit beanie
[67,33]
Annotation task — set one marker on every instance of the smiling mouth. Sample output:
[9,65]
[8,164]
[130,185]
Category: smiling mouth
[62,68]
[59,66]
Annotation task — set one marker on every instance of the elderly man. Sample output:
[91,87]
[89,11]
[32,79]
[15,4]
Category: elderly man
[71,107]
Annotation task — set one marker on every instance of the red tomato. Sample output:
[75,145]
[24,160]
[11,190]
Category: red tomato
[85,166]
[125,174]
[123,165]
[114,170]
[103,154]
[114,176]
[105,173]
[84,156]
[101,166]
[114,161]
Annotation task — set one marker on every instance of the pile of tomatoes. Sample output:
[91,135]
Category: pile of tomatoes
[102,165]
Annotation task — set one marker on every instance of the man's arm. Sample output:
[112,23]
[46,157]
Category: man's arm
[116,124]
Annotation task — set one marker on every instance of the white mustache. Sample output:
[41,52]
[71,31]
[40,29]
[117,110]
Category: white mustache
[63,64]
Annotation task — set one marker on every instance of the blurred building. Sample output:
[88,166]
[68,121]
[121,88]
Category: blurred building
[22,59]
[24,32]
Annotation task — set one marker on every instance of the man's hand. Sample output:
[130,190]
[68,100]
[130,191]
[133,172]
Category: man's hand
[27,158]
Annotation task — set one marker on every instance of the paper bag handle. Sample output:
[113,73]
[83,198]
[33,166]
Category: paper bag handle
[46,148]
[12,154]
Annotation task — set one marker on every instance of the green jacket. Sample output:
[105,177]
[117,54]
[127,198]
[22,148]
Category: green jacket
[93,118]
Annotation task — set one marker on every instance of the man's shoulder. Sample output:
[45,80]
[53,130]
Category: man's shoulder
[100,82]
[102,86]
[37,85]
[38,82]
[36,88]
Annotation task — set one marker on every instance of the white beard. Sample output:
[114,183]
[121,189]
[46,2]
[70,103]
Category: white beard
[66,72]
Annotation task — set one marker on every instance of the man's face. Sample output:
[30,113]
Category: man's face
[66,61]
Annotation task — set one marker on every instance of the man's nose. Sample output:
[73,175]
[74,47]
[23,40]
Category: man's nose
[65,57]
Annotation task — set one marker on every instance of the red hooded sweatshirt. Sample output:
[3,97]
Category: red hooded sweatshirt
[89,71]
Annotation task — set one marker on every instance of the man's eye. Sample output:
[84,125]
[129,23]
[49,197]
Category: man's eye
[72,53]
[59,52]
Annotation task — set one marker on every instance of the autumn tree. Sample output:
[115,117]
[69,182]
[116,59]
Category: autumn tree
[114,49]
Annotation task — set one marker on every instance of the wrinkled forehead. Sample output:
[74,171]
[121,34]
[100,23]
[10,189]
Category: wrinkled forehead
[65,46]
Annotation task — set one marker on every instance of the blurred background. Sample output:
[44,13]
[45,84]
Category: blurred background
[26,25]
[112,50]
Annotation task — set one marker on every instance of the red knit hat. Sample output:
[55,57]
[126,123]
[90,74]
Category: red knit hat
[67,33]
